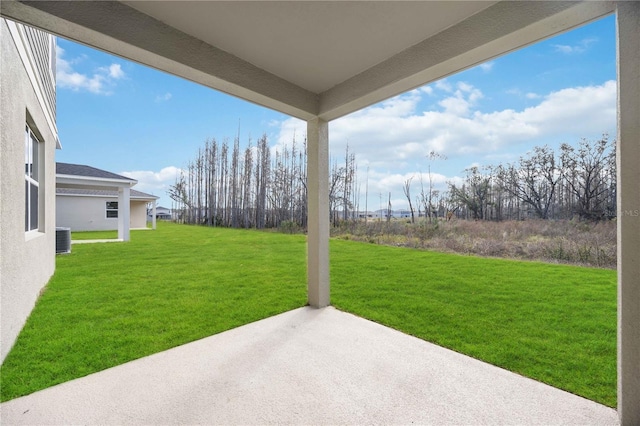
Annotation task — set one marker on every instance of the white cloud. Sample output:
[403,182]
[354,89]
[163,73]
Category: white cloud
[561,48]
[99,82]
[115,71]
[455,105]
[291,129]
[518,92]
[465,87]
[465,97]
[486,67]
[581,47]
[163,98]
[444,85]
[427,89]
[578,110]
[155,183]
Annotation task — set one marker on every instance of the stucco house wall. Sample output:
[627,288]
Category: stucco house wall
[138,214]
[27,260]
[88,213]
[84,213]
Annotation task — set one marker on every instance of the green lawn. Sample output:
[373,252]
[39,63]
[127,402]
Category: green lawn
[110,303]
[94,235]
[100,235]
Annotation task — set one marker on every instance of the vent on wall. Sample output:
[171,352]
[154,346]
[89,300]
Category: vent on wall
[63,240]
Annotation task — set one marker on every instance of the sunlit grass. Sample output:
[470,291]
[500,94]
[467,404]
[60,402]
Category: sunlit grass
[111,303]
[94,235]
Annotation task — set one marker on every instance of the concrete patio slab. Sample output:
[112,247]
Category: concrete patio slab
[306,366]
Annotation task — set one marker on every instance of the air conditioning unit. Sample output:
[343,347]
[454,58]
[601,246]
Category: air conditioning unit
[63,240]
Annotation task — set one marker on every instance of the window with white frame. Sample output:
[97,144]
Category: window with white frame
[112,209]
[31,179]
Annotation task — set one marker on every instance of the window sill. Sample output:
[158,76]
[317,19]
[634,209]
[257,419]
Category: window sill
[32,235]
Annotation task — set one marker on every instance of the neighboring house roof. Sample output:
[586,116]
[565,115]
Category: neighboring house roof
[104,193]
[87,171]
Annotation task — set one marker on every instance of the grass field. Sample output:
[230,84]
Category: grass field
[111,303]
[95,235]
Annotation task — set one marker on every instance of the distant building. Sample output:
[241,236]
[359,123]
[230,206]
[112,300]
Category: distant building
[91,199]
[393,214]
[162,213]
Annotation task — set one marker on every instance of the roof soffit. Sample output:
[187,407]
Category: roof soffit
[103,193]
[73,181]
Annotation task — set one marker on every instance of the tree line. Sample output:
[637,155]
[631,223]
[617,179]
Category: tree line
[257,186]
[545,183]
[263,187]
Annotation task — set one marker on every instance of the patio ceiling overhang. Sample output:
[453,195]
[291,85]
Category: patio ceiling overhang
[308,59]
[319,61]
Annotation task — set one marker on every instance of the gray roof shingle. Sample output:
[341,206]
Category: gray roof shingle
[82,170]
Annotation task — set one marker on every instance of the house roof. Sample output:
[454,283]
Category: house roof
[104,193]
[86,171]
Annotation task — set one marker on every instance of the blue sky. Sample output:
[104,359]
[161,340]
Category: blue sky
[133,120]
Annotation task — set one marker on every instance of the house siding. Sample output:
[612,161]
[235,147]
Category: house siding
[27,261]
[138,218]
[42,46]
[88,213]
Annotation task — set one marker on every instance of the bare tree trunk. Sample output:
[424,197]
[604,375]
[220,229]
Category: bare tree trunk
[246,196]
[233,190]
[407,193]
[222,192]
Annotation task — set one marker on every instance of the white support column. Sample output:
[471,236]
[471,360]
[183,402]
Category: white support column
[628,162]
[124,213]
[318,212]
[153,215]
